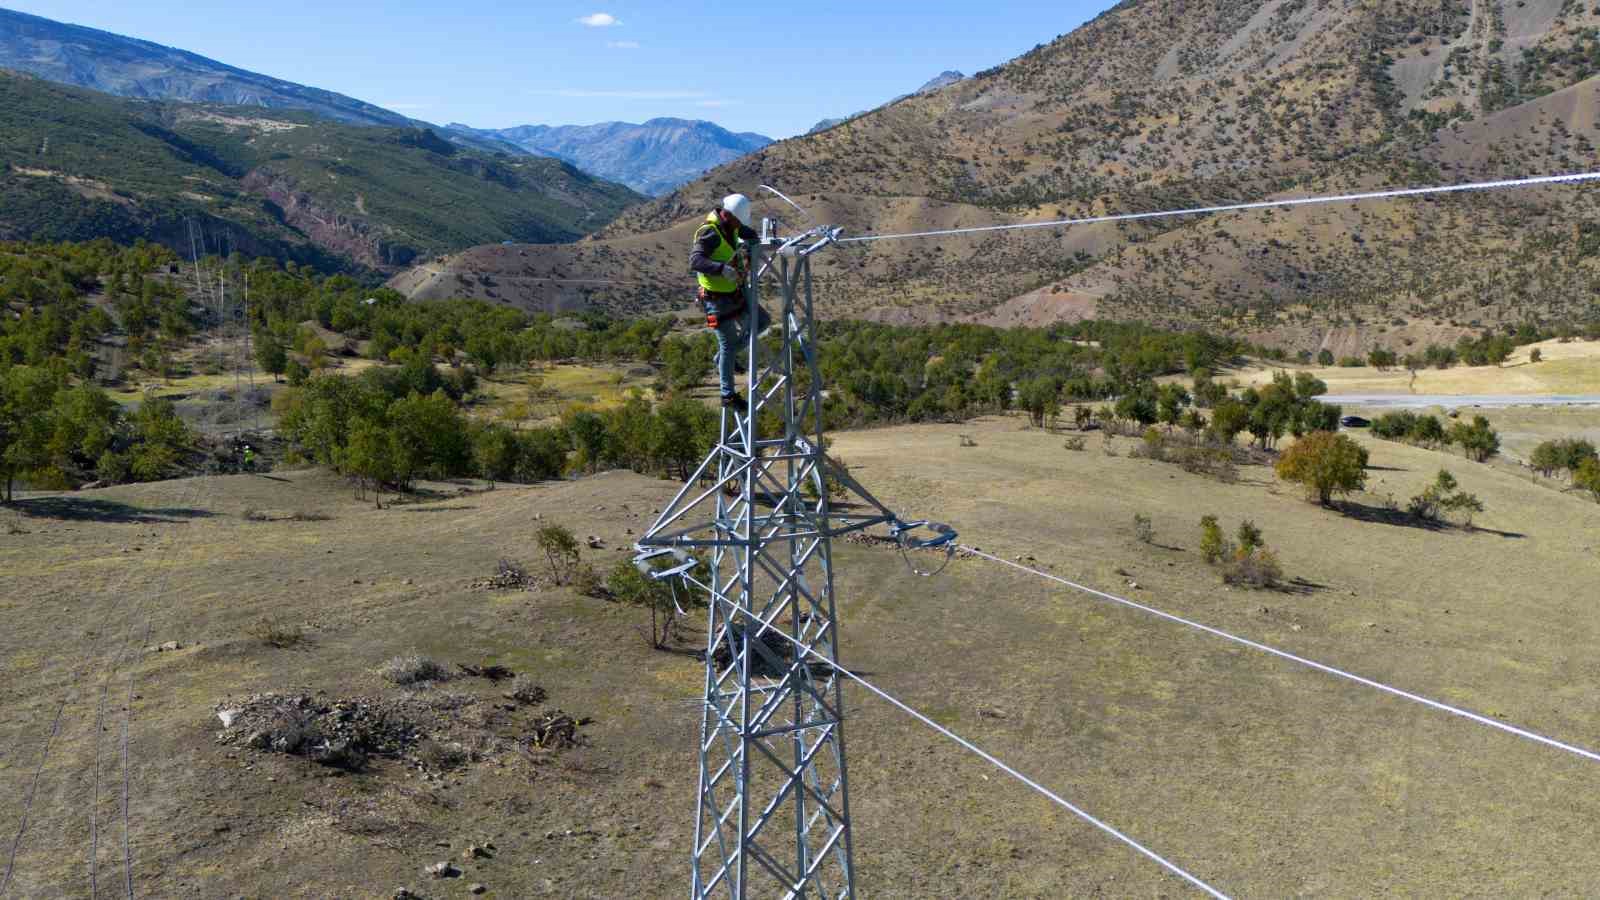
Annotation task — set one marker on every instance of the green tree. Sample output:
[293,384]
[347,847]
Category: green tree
[1228,419]
[369,456]
[1214,547]
[1040,398]
[1326,464]
[495,449]
[1477,440]
[1325,357]
[160,439]
[430,437]
[1587,478]
[560,549]
[26,394]
[271,355]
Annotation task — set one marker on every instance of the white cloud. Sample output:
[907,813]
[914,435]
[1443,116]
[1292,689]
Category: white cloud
[623,45]
[623,95]
[600,20]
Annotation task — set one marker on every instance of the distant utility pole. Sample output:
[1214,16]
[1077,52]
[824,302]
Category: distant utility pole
[773,809]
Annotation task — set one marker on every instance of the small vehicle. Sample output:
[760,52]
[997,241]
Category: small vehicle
[1354,422]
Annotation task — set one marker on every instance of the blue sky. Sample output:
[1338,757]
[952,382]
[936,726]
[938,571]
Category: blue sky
[771,68]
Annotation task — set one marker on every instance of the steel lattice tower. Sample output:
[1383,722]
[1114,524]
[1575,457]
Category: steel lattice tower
[773,811]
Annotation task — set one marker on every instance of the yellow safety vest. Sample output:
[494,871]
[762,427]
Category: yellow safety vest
[716,284]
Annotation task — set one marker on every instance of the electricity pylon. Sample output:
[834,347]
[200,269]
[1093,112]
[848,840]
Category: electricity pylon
[773,810]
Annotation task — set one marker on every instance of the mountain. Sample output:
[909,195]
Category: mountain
[126,67]
[652,158]
[1162,104]
[77,164]
[942,80]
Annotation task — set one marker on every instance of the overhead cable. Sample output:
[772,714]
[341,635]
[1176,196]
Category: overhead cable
[981,753]
[1300,660]
[1237,207]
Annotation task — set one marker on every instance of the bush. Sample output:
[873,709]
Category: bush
[1587,478]
[1143,529]
[413,669]
[1444,498]
[1326,464]
[275,633]
[524,691]
[1074,444]
[560,549]
[1477,440]
[1256,569]
[1565,454]
[1249,536]
[1214,547]
[586,581]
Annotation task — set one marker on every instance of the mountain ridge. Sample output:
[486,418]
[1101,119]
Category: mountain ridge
[1167,104]
[284,183]
[652,157]
[942,80]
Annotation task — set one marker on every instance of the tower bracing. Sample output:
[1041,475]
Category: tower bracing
[750,533]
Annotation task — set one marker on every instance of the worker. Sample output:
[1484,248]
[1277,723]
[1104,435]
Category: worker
[719,265]
[249,458]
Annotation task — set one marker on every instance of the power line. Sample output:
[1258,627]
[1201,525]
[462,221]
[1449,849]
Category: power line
[983,754]
[1237,207]
[1300,660]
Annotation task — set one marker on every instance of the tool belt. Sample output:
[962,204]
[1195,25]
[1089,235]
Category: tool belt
[721,306]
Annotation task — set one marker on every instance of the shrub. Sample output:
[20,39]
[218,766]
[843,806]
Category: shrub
[1326,464]
[1535,355]
[524,691]
[586,581]
[1249,536]
[1587,478]
[1143,528]
[1478,440]
[413,669]
[1443,498]
[1256,569]
[440,756]
[1213,546]
[1565,454]
[560,549]
[967,441]
[1074,444]
[275,632]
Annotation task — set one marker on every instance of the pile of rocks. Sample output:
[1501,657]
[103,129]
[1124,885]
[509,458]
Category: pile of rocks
[341,733]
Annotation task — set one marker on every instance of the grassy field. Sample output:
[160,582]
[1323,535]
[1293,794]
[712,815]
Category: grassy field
[1571,368]
[1265,779]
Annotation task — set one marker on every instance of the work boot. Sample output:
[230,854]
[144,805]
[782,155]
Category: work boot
[735,403]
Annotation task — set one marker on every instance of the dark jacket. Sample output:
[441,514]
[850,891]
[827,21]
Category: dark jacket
[705,244]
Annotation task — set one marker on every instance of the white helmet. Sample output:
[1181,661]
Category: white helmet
[738,206]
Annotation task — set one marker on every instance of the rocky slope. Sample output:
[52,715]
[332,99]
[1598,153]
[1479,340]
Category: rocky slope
[652,158]
[942,80]
[1170,103]
[127,67]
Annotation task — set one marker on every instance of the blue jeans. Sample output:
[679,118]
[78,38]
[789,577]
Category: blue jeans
[731,337]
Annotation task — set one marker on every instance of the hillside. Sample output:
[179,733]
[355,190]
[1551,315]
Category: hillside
[127,67]
[76,164]
[942,80]
[652,158]
[1150,725]
[1163,104]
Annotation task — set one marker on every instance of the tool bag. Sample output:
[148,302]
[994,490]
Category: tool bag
[721,306]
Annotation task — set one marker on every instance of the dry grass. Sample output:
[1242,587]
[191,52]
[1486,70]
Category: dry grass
[1570,368]
[1153,726]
